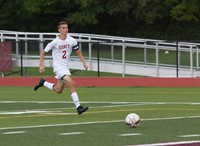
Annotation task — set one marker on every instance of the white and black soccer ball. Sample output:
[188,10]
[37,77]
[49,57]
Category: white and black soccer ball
[132,120]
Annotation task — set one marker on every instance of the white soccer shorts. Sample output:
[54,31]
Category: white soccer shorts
[60,73]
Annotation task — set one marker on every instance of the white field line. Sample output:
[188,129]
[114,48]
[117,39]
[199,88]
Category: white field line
[193,135]
[130,134]
[47,102]
[53,110]
[168,144]
[113,104]
[44,111]
[14,132]
[38,102]
[96,122]
[58,125]
[100,102]
[15,112]
[26,112]
[72,133]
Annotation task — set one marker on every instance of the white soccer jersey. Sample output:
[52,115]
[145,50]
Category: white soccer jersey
[61,51]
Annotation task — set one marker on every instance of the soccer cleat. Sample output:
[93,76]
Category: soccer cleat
[81,109]
[39,84]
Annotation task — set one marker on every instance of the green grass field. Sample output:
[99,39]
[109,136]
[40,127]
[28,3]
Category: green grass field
[44,118]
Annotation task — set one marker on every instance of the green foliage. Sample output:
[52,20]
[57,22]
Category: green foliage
[116,8]
[151,11]
[161,19]
[87,13]
[186,10]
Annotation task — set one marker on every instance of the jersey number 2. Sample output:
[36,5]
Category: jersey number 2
[64,55]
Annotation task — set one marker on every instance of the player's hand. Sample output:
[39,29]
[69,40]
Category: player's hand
[85,66]
[41,69]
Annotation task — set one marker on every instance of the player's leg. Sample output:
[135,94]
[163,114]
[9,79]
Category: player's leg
[58,87]
[39,84]
[43,82]
[74,95]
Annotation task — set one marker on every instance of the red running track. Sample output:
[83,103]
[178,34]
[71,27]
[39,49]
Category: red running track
[108,81]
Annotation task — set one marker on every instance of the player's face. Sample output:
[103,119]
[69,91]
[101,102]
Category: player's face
[63,29]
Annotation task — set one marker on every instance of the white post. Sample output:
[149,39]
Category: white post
[26,47]
[197,57]
[191,61]
[123,59]
[145,54]
[41,46]
[17,46]
[157,60]
[112,50]
[80,44]
[90,53]
[1,37]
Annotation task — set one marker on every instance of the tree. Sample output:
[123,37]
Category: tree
[161,19]
[186,10]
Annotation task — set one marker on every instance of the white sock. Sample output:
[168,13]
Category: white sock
[75,99]
[48,85]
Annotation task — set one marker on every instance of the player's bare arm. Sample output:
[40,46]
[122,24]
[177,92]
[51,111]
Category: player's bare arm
[41,65]
[80,55]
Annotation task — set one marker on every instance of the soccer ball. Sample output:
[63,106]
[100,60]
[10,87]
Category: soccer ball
[166,52]
[132,120]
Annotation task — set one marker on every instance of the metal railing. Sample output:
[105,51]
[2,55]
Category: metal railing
[124,55]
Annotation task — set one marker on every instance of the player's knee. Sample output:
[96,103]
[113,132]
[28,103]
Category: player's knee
[72,83]
[58,91]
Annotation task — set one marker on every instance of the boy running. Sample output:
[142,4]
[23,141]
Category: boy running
[61,48]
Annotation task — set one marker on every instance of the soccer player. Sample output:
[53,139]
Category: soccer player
[61,48]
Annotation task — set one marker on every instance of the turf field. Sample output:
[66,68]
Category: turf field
[44,118]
